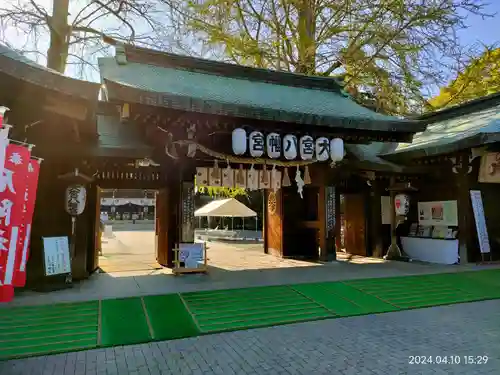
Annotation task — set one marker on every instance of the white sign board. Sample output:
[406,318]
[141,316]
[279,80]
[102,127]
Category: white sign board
[438,213]
[192,254]
[386,209]
[482,231]
[56,255]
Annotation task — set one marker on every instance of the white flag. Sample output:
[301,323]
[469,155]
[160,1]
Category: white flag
[4,142]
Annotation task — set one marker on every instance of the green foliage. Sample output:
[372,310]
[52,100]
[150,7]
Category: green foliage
[480,78]
[384,49]
[222,192]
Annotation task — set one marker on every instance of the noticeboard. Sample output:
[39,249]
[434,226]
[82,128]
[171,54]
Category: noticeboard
[438,213]
[56,256]
[190,257]
[330,208]
[187,214]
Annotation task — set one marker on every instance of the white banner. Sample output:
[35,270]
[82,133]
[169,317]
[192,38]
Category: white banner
[386,209]
[482,231]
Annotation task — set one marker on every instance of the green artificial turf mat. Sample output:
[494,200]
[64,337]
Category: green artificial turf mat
[123,322]
[169,318]
[267,322]
[238,294]
[248,308]
[342,299]
[48,329]
[366,301]
[426,290]
[334,303]
[40,330]
[488,277]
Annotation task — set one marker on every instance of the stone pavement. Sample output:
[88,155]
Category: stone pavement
[133,284]
[231,265]
[367,345]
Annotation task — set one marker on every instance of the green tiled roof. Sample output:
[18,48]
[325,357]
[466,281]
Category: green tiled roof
[210,91]
[26,70]
[117,139]
[453,134]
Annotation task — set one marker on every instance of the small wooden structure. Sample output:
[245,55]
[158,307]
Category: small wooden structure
[180,264]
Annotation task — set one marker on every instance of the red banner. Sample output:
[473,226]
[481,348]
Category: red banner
[12,190]
[28,210]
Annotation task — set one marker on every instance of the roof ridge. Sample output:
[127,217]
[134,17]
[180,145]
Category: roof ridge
[207,66]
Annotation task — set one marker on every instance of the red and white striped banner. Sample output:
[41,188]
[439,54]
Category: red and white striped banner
[12,192]
[28,210]
[4,141]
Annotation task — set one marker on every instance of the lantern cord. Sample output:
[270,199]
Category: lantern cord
[242,160]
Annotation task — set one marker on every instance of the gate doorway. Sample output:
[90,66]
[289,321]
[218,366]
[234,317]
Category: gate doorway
[128,230]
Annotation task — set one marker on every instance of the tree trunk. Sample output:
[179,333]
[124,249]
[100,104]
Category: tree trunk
[57,54]
[307,37]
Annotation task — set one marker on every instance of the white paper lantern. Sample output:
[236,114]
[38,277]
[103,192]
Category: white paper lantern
[256,144]
[322,148]
[402,204]
[273,144]
[336,149]
[290,146]
[306,145]
[76,198]
[239,141]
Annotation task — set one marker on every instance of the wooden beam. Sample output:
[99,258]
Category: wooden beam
[67,108]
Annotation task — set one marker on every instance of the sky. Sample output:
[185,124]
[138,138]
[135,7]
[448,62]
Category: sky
[485,30]
[479,30]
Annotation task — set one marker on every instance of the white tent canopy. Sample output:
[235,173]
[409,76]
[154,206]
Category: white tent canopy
[225,208]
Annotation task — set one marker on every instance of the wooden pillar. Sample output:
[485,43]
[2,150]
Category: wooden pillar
[375,220]
[338,223]
[162,228]
[465,214]
[273,221]
[95,247]
[322,219]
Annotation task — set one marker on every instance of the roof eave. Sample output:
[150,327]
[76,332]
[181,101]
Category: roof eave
[461,109]
[134,95]
[448,148]
[48,80]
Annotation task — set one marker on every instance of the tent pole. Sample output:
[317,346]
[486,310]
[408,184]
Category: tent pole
[232,223]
